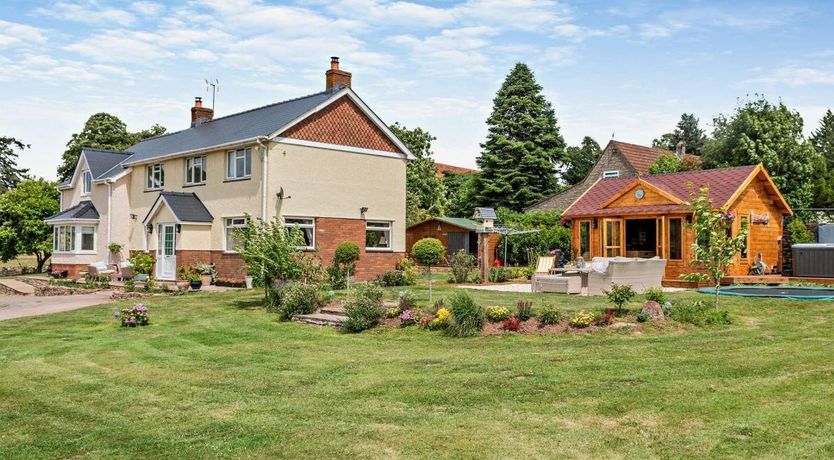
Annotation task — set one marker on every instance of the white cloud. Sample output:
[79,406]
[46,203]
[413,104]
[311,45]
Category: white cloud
[794,75]
[12,33]
[87,12]
[116,46]
[558,55]
[729,17]
[149,9]
[580,33]
[453,51]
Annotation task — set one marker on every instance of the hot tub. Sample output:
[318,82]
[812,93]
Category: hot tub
[813,259]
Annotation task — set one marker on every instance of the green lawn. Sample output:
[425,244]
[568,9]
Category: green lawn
[213,376]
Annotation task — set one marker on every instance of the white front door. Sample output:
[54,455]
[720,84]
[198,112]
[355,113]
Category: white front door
[166,256]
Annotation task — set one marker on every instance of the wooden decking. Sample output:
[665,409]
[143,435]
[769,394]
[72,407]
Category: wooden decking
[765,279]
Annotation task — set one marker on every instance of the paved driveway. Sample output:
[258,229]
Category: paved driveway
[20,306]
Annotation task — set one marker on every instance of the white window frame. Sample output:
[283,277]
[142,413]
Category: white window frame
[86,182]
[308,222]
[229,224]
[610,174]
[231,164]
[157,173]
[76,231]
[378,225]
[190,163]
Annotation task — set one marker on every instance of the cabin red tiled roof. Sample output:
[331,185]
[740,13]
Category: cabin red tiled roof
[641,157]
[722,184]
[443,168]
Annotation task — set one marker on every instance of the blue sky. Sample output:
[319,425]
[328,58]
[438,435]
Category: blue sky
[628,68]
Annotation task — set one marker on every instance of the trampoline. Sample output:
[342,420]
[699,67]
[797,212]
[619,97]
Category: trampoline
[782,292]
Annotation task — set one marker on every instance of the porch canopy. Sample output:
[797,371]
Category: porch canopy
[186,208]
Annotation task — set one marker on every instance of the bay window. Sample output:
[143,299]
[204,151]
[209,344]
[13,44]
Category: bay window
[156,176]
[377,236]
[74,238]
[239,164]
[195,170]
[306,226]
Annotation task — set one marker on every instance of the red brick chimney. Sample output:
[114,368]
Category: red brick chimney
[200,114]
[335,78]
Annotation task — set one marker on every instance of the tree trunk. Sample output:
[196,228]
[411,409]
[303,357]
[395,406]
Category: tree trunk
[41,258]
[430,298]
[717,291]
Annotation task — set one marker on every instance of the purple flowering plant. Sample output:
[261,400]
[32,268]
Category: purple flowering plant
[408,317]
[136,316]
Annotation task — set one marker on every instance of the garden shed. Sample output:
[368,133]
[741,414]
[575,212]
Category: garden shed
[647,216]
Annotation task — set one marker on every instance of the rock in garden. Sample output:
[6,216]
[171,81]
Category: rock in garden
[653,309]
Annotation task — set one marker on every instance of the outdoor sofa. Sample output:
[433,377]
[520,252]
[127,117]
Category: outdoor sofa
[641,274]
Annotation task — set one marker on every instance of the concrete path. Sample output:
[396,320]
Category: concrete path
[21,306]
[18,286]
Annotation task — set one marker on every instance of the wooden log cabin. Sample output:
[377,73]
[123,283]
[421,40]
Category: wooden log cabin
[647,216]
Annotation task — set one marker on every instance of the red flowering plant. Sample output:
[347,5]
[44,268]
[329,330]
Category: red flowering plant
[512,324]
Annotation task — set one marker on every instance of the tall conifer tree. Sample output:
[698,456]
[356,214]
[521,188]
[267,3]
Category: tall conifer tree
[519,158]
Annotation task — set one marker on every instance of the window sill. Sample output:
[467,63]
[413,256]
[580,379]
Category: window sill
[237,179]
[74,253]
[379,250]
[194,185]
[149,190]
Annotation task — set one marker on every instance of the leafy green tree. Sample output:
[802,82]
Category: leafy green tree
[270,253]
[523,146]
[687,129]
[665,164]
[460,192]
[10,173]
[22,213]
[101,131]
[823,141]
[759,131]
[428,252]
[426,193]
[580,160]
[715,245]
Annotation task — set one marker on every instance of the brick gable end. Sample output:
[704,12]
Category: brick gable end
[342,123]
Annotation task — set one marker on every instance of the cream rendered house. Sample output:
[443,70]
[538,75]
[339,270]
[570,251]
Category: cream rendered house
[324,163]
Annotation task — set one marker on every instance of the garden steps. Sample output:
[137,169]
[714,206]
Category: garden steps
[321,319]
[18,286]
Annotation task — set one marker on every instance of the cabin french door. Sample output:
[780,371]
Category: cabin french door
[612,237]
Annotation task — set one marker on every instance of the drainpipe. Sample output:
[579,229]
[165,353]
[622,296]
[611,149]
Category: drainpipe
[109,217]
[264,174]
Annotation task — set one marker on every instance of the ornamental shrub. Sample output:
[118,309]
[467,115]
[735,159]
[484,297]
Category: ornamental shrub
[461,264]
[583,319]
[799,232]
[655,294]
[497,275]
[296,299]
[336,277]
[409,270]
[512,324]
[524,310]
[407,300]
[548,314]
[619,295]
[496,314]
[439,320]
[428,251]
[392,278]
[363,308]
[409,317]
[393,312]
[642,317]
[142,262]
[133,317]
[347,253]
[467,317]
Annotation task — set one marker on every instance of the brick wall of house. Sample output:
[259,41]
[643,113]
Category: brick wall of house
[342,123]
[330,232]
[73,270]
[229,266]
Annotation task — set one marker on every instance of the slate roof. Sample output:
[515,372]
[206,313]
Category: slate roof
[722,185]
[250,124]
[186,207]
[486,213]
[641,157]
[83,210]
[104,163]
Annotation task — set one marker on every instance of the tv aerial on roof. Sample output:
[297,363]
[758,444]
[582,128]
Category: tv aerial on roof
[215,88]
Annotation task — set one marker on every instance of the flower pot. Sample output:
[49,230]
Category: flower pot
[206,279]
[195,285]
[182,284]
[248,280]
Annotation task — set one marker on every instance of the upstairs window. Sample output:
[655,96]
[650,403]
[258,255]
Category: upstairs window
[195,170]
[610,174]
[87,182]
[306,226]
[378,236]
[156,176]
[239,164]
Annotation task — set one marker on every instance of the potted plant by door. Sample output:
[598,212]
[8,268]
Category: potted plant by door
[207,273]
[182,278]
[195,282]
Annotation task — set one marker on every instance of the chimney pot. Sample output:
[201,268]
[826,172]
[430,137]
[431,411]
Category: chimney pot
[336,78]
[200,114]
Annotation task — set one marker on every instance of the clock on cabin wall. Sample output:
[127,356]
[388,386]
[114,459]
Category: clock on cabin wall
[639,193]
